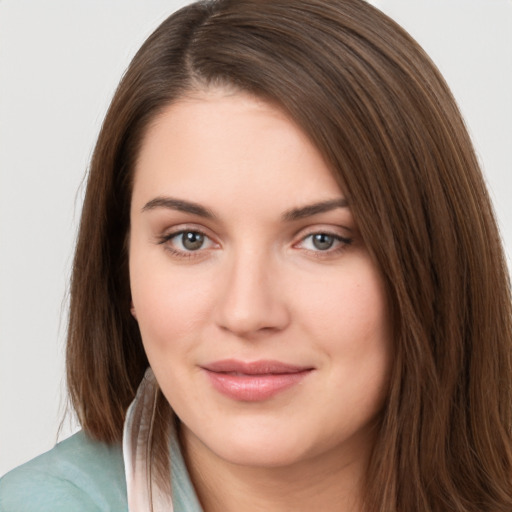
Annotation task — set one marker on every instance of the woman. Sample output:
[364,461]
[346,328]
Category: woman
[286,222]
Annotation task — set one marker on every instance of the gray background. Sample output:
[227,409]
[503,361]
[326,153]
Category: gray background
[60,61]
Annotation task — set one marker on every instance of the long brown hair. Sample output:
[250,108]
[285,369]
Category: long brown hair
[384,119]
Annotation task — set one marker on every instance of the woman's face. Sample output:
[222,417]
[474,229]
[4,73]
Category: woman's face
[261,312]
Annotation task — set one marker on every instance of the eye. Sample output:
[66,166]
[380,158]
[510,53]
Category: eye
[324,242]
[190,240]
[186,241]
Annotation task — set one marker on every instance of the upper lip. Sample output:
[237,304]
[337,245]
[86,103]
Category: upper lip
[262,367]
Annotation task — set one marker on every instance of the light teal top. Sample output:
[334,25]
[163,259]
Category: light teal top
[82,475]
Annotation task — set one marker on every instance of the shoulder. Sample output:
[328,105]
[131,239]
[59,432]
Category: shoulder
[79,474]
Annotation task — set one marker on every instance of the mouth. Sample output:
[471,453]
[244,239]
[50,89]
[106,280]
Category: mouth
[253,381]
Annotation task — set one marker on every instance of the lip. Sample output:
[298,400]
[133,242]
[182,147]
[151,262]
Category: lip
[254,381]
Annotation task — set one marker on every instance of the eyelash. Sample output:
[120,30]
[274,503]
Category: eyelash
[184,254]
[342,244]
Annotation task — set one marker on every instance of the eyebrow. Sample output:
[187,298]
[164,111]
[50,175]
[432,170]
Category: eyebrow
[289,216]
[314,209]
[179,205]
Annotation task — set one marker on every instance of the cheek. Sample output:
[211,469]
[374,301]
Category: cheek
[347,319]
[348,310]
[170,307]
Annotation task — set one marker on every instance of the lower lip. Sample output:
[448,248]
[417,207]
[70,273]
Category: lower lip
[254,388]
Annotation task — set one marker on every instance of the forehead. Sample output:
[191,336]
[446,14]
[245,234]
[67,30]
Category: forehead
[217,146]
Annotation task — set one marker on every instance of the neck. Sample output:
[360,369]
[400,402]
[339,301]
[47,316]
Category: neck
[333,483]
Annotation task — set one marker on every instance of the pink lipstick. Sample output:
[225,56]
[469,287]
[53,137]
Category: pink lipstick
[255,381]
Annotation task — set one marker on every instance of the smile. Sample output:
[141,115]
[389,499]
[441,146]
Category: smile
[253,382]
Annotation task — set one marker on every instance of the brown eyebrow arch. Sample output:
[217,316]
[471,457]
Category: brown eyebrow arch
[314,209]
[180,205]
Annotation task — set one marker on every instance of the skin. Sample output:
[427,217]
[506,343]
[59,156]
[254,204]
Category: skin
[257,289]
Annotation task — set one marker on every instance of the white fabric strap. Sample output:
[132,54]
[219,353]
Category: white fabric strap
[144,493]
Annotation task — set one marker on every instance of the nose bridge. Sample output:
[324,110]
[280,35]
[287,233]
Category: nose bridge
[251,299]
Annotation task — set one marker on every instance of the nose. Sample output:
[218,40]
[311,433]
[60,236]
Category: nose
[252,299]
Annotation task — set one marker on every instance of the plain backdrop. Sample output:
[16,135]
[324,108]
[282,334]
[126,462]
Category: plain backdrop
[60,61]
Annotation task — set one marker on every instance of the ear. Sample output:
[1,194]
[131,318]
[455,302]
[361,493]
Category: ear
[132,310]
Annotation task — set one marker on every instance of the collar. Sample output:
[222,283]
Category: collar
[145,491]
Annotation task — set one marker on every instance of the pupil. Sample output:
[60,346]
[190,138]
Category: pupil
[322,241]
[192,241]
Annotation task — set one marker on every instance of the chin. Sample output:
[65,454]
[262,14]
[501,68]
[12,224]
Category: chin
[256,445]
[269,455]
